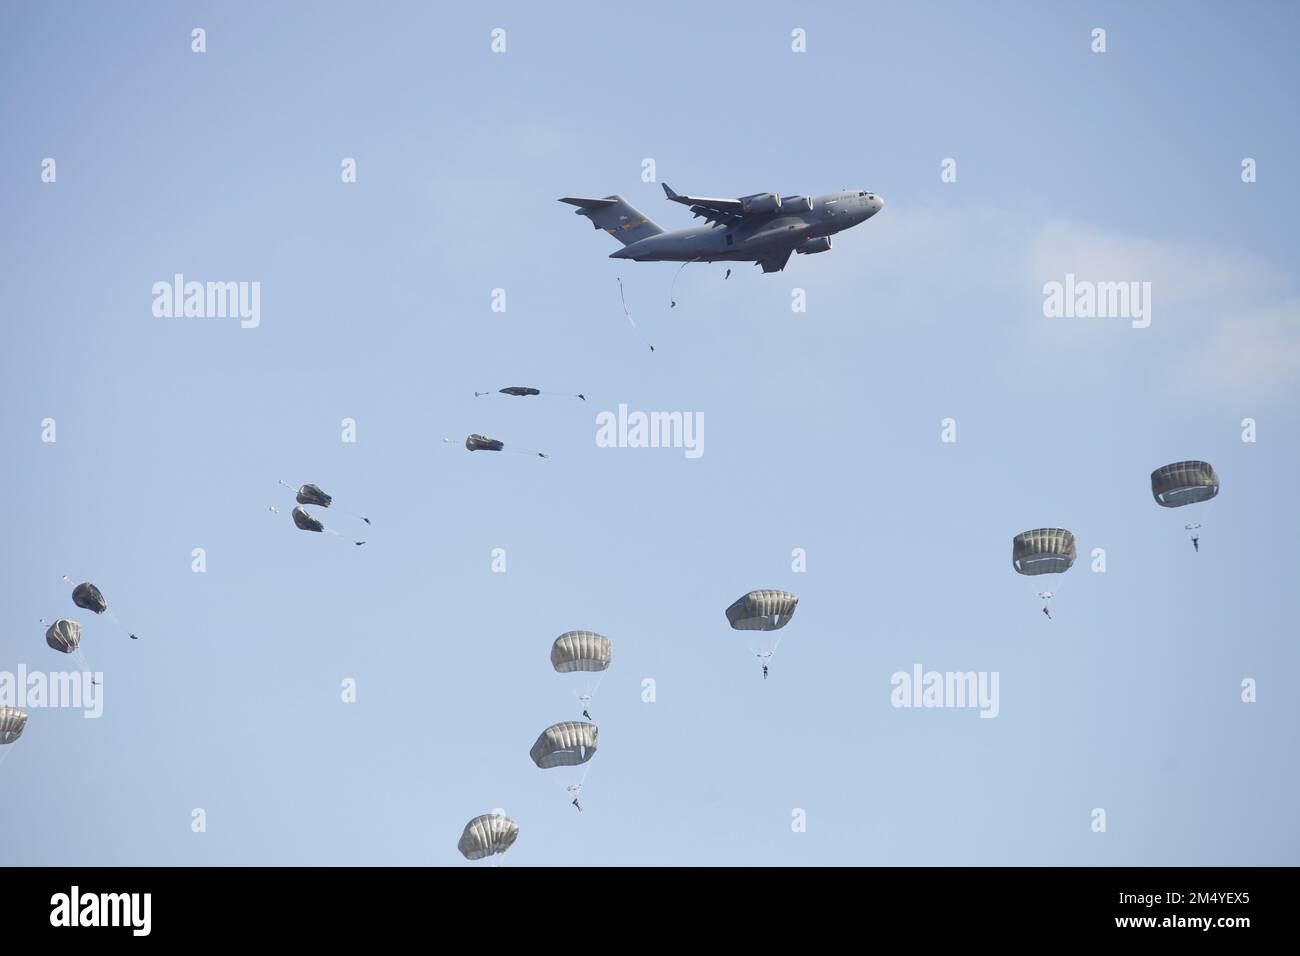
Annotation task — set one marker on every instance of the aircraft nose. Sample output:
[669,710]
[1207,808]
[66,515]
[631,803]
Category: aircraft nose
[880,204]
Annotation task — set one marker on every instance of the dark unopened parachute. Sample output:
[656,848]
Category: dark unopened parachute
[763,610]
[567,744]
[483,443]
[89,597]
[487,835]
[64,635]
[12,723]
[310,494]
[86,595]
[521,391]
[478,442]
[306,522]
[1043,551]
[1184,483]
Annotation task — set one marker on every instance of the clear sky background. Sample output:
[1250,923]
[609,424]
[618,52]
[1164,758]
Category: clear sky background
[822,431]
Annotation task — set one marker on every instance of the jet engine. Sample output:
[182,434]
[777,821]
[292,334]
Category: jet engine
[760,204]
[813,246]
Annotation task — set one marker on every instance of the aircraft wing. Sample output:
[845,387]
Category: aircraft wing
[724,212]
[775,263]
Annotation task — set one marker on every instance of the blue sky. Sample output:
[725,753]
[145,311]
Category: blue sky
[822,431]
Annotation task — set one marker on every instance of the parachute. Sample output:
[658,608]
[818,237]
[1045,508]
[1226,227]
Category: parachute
[487,835]
[483,443]
[12,723]
[64,635]
[310,494]
[764,610]
[478,442]
[524,390]
[583,652]
[1043,551]
[91,598]
[1185,483]
[305,522]
[570,743]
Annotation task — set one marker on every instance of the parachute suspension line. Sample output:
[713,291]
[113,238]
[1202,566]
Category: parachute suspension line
[342,538]
[567,395]
[673,288]
[585,696]
[527,451]
[349,511]
[628,315]
[114,619]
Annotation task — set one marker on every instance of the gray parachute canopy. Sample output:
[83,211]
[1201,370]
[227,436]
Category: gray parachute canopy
[313,495]
[483,443]
[12,722]
[581,651]
[565,744]
[306,522]
[64,635]
[520,390]
[762,610]
[87,596]
[487,835]
[1184,483]
[1043,551]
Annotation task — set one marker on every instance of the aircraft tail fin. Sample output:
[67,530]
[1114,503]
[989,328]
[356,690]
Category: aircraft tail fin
[617,217]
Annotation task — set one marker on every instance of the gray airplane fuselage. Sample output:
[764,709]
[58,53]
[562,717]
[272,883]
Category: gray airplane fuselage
[787,230]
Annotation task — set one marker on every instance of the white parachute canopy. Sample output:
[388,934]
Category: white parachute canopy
[763,610]
[64,635]
[586,654]
[12,722]
[487,835]
[575,651]
[569,743]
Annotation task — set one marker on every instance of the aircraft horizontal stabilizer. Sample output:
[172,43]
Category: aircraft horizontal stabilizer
[588,203]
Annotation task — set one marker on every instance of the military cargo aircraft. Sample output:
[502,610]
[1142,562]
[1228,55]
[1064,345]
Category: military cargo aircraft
[764,228]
